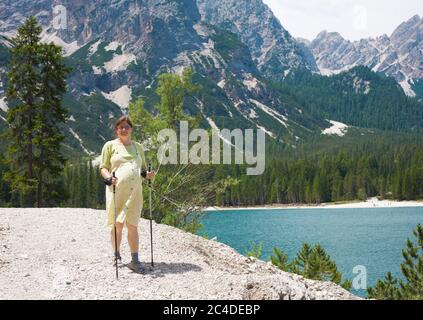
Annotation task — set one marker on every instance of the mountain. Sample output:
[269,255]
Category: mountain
[238,50]
[399,56]
[117,50]
[273,49]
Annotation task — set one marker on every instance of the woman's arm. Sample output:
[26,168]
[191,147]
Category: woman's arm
[105,164]
[105,173]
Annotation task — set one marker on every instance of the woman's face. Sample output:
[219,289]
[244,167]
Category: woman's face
[124,130]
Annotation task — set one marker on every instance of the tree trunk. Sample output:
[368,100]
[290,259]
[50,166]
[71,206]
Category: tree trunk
[40,191]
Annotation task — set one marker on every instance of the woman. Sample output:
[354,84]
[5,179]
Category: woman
[126,158]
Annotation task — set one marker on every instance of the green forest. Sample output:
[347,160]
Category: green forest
[385,171]
[359,97]
[368,170]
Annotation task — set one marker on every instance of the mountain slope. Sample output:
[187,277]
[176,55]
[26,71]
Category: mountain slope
[358,97]
[112,67]
[117,50]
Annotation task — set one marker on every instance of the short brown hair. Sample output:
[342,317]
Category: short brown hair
[123,119]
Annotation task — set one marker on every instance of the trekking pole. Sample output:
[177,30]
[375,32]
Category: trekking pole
[116,248]
[151,217]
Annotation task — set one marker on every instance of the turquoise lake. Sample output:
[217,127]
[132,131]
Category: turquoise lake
[370,237]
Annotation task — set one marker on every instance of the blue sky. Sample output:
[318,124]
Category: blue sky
[353,19]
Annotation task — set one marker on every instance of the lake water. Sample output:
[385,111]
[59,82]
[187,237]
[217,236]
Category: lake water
[370,237]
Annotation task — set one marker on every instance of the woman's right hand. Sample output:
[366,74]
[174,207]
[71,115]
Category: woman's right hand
[114,180]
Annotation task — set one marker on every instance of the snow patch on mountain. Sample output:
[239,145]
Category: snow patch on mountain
[80,142]
[250,82]
[119,62]
[247,117]
[68,48]
[97,70]
[121,97]
[112,46]
[215,127]
[93,48]
[273,113]
[405,85]
[229,111]
[91,93]
[337,128]
[269,133]
[253,114]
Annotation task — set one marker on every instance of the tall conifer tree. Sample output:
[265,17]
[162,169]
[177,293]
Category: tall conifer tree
[36,85]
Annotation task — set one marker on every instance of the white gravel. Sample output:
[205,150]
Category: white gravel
[65,253]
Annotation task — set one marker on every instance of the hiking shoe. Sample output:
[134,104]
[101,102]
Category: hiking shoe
[136,267]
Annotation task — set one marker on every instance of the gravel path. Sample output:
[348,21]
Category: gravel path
[65,253]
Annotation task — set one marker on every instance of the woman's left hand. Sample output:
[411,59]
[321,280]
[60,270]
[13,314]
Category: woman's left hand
[150,175]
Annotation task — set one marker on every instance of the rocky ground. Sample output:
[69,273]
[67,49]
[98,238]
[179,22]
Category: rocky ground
[63,253]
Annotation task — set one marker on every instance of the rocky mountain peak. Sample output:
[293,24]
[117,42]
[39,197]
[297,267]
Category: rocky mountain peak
[328,35]
[272,47]
[399,56]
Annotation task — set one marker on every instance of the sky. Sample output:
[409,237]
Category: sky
[353,19]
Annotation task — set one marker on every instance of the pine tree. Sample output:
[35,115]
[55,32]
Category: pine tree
[385,290]
[36,85]
[412,267]
[4,187]
[91,180]
[316,189]
[280,260]
[312,263]
[24,105]
[49,160]
[411,288]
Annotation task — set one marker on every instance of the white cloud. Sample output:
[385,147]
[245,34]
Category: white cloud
[353,19]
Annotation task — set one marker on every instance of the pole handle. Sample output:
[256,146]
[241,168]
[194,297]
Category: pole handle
[114,176]
[149,170]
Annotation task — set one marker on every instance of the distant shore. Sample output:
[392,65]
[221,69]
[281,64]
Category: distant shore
[370,203]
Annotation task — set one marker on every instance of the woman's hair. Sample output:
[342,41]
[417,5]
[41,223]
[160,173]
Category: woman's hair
[123,119]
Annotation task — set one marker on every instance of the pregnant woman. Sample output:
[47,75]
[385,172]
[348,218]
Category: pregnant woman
[126,159]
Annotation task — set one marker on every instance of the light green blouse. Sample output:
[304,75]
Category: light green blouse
[127,163]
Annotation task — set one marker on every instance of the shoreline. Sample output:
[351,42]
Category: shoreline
[370,203]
